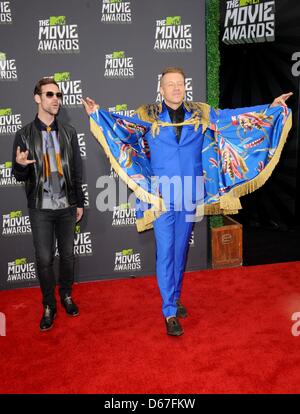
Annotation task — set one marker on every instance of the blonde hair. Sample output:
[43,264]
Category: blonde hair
[172,69]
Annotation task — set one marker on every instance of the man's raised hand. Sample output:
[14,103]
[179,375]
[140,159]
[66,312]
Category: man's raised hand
[280,100]
[22,157]
[89,105]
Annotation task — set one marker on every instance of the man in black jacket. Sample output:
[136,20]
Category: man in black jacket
[46,157]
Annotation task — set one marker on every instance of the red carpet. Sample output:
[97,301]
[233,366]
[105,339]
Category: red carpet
[237,338]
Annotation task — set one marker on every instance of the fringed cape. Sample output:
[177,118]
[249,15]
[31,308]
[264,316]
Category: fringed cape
[241,148]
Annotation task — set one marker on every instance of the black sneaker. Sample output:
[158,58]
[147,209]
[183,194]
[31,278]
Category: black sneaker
[70,306]
[47,318]
[173,326]
[181,310]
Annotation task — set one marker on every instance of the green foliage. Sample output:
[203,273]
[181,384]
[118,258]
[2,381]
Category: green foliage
[216,221]
[213,67]
[212,51]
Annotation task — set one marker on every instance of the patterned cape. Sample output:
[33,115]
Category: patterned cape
[241,148]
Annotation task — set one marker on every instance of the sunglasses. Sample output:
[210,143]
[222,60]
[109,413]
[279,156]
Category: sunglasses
[50,94]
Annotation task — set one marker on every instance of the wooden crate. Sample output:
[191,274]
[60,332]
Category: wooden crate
[226,244]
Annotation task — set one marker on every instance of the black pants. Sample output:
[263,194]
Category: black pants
[48,226]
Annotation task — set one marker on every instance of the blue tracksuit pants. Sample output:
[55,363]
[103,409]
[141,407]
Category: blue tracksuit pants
[172,234]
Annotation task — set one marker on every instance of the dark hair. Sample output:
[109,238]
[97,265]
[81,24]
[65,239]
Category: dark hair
[172,69]
[42,82]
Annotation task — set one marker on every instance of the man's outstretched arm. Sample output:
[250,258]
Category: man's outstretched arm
[280,100]
[90,105]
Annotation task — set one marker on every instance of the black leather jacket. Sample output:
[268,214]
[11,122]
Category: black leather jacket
[30,138]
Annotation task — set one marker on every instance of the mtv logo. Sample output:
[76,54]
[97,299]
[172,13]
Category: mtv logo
[127,252]
[116,1]
[8,164]
[118,55]
[173,20]
[62,76]
[124,206]
[15,214]
[20,261]
[122,107]
[5,111]
[2,56]
[2,324]
[248,2]
[57,20]
[77,229]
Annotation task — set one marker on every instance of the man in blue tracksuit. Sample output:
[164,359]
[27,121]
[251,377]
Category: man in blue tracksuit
[176,160]
[175,154]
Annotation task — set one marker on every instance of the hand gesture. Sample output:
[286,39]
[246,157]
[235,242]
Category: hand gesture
[22,157]
[89,105]
[281,100]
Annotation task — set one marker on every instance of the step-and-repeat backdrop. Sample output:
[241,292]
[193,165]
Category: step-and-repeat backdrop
[260,59]
[113,51]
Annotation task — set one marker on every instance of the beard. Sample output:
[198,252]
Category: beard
[52,110]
